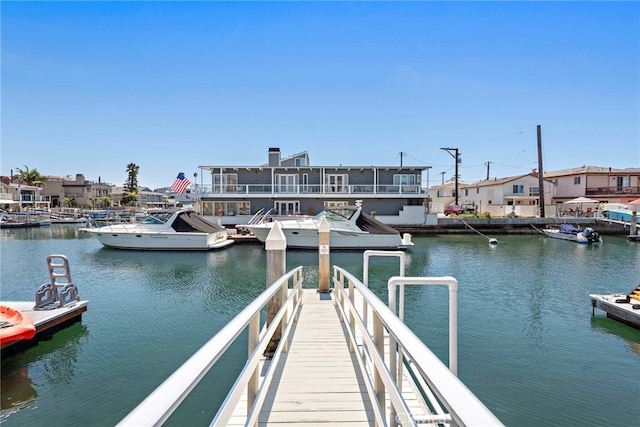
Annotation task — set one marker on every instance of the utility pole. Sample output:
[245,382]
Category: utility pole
[457,157]
[401,153]
[488,163]
[540,173]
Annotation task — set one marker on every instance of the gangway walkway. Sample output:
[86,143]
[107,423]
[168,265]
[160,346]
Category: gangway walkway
[317,380]
[344,359]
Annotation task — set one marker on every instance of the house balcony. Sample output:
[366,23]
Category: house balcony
[309,191]
[612,191]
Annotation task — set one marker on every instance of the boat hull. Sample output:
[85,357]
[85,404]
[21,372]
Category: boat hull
[161,241]
[308,238]
[577,238]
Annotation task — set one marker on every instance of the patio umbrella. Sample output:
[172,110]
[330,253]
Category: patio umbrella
[582,200]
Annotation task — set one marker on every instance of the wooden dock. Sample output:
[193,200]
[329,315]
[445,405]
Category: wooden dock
[46,321]
[621,307]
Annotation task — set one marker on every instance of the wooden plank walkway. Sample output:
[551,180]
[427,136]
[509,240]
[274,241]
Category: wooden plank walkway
[317,382]
[321,383]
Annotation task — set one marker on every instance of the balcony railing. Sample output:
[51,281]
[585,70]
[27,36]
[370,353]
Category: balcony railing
[605,191]
[306,190]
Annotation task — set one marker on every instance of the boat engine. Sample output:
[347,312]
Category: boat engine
[591,234]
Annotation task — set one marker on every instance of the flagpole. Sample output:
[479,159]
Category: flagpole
[195,183]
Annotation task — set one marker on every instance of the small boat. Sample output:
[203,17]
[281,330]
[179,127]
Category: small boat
[569,232]
[350,228]
[164,230]
[22,220]
[15,325]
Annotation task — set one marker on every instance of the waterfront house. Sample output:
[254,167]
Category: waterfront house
[607,185]
[292,186]
[515,195]
[75,192]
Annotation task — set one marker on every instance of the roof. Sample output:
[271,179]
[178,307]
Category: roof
[582,170]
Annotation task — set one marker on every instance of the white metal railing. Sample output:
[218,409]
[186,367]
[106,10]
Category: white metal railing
[307,189]
[164,400]
[451,401]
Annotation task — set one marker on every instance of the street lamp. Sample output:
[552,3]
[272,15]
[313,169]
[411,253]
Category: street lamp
[457,158]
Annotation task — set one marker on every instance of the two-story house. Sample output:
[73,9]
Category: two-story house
[607,185]
[518,195]
[75,192]
[290,186]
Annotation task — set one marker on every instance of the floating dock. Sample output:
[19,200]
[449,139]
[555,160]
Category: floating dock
[622,307]
[47,322]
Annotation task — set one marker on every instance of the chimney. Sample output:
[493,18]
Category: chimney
[274,157]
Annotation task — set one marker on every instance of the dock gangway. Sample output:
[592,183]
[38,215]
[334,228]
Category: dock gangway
[344,358]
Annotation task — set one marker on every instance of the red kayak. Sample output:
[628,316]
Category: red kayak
[15,325]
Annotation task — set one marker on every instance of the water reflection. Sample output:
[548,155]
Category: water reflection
[50,364]
[53,231]
[626,333]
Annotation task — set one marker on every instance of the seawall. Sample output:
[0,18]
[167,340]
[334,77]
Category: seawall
[491,226]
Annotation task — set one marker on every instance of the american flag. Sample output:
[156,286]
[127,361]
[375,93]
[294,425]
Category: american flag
[180,184]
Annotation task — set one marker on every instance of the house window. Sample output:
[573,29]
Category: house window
[226,183]
[622,181]
[518,189]
[404,179]
[287,207]
[286,183]
[576,180]
[301,161]
[336,183]
[534,191]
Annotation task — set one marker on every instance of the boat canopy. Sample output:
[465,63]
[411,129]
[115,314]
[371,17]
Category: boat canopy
[191,222]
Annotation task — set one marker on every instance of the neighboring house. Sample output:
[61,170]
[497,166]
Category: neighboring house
[518,195]
[607,185]
[290,185]
[21,197]
[82,192]
[147,198]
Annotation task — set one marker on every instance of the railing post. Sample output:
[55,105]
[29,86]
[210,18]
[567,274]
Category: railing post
[352,318]
[252,385]
[378,384]
[276,248]
[323,261]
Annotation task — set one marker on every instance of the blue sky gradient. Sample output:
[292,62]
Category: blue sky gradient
[88,87]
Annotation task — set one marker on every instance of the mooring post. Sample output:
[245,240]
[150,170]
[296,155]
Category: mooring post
[323,256]
[632,227]
[276,248]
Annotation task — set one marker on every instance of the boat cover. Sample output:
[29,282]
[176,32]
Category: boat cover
[569,229]
[191,222]
[371,225]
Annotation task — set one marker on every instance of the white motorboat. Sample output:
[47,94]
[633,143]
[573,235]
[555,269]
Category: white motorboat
[350,228]
[166,230]
[569,232]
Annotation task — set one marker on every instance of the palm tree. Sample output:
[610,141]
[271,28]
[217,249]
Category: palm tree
[130,193]
[29,177]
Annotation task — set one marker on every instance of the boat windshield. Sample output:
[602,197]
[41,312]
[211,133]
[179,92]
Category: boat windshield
[335,214]
[157,218]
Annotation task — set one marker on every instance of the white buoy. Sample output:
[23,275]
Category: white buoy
[493,241]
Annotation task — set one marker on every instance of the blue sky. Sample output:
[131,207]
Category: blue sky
[89,87]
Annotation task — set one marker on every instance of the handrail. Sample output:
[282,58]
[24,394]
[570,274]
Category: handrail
[452,401]
[164,400]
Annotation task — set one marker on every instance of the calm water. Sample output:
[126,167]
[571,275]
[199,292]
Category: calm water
[529,347]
